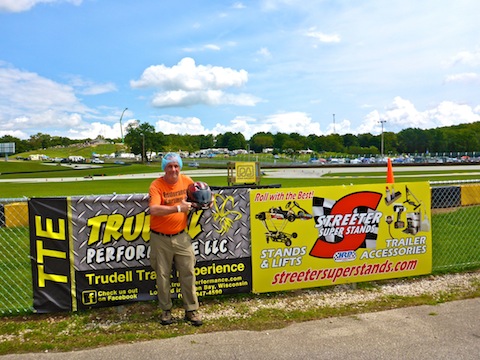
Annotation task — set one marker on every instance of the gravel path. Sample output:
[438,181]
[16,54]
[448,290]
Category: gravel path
[352,295]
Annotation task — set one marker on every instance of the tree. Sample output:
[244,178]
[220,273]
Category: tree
[437,141]
[40,141]
[231,141]
[158,142]
[20,145]
[390,142]
[205,141]
[316,143]
[350,140]
[261,141]
[334,143]
[140,138]
[412,140]
[279,140]
[366,140]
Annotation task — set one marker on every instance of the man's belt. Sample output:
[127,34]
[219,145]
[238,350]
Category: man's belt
[167,235]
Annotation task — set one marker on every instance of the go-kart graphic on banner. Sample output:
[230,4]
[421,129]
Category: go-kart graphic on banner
[275,230]
[339,234]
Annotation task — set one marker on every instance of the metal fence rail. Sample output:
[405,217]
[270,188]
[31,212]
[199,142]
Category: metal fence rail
[455,227]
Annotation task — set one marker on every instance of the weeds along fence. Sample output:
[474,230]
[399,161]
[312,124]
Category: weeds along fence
[455,222]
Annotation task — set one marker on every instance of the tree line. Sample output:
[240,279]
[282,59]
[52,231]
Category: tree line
[142,138]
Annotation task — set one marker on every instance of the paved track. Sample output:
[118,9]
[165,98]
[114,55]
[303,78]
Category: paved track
[447,331]
[275,173]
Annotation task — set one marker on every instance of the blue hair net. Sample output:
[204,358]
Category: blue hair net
[171,157]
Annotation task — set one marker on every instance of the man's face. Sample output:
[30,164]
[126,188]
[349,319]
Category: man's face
[172,170]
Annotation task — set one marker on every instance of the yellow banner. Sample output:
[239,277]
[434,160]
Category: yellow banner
[323,236]
[245,172]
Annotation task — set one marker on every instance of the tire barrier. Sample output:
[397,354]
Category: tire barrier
[470,194]
[446,197]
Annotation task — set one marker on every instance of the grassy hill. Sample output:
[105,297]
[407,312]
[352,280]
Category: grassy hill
[78,150]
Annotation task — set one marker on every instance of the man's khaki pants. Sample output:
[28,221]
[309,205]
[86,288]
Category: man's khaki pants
[166,251]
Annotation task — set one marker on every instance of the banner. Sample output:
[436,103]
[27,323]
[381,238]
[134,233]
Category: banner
[339,234]
[94,251]
[50,250]
[246,172]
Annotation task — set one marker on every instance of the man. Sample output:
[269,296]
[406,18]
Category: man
[169,242]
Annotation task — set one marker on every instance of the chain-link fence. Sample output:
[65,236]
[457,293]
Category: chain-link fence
[455,222]
[16,290]
[455,225]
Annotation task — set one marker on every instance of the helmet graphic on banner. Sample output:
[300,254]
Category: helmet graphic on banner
[200,195]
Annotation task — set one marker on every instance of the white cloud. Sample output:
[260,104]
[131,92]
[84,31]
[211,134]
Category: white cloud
[448,113]
[242,124]
[402,114]
[186,75]
[88,87]
[15,133]
[25,5]
[203,48]
[238,5]
[208,97]
[466,78]
[289,122]
[293,122]
[467,58]
[212,47]
[264,53]
[178,125]
[273,5]
[30,91]
[30,103]
[322,37]
[340,127]
[187,84]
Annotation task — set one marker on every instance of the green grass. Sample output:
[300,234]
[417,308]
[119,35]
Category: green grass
[76,150]
[139,186]
[33,169]
[16,273]
[455,235]
[93,187]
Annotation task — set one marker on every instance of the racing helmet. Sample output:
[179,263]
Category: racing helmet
[200,195]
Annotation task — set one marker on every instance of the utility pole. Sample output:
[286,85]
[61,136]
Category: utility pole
[382,122]
[143,148]
[334,123]
[121,127]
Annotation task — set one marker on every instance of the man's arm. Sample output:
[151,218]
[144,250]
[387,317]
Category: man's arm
[162,210]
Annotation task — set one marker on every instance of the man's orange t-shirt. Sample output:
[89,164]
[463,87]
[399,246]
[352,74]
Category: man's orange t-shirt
[163,193]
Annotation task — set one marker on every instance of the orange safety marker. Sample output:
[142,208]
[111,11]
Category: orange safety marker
[390,179]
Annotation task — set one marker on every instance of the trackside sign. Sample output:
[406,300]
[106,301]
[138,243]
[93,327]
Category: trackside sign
[94,251]
[331,235]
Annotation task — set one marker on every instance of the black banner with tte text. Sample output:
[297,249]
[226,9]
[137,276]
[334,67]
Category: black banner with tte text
[50,254]
[94,251]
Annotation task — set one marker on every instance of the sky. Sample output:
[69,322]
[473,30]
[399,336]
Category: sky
[87,68]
